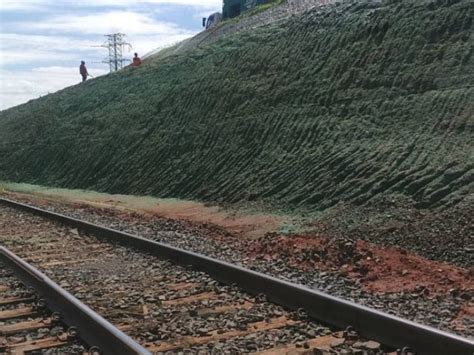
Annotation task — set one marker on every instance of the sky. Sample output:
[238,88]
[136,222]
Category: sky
[43,41]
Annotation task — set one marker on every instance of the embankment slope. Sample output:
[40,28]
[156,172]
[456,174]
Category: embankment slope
[342,103]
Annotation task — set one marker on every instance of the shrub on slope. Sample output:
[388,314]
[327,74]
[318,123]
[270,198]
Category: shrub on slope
[344,103]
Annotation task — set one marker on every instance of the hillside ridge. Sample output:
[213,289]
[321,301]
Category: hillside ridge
[347,103]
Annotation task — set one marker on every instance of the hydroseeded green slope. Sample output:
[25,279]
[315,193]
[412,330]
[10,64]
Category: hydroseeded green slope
[340,104]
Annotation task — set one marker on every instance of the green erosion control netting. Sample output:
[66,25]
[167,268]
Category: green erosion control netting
[339,104]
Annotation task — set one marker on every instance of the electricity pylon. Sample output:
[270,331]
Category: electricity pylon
[115,44]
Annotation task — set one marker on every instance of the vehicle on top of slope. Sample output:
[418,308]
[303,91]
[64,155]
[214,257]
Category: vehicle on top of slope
[233,8]
[212,20]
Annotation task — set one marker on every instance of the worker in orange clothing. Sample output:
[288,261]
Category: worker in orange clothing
[136,60]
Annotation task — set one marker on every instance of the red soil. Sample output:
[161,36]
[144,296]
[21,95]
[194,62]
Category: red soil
[379,269]
[466,313]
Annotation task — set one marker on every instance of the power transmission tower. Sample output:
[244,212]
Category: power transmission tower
[115,44]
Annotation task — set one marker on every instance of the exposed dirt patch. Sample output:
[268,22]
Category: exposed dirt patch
[237,224]
[379,269]
[444,235]
[209,219]
[465,318]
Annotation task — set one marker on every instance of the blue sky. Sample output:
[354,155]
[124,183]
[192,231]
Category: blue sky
[43,41]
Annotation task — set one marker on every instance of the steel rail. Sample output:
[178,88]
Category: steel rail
[93,329]
[387,329]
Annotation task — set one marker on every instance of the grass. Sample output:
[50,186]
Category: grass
[249,13]
[346,104]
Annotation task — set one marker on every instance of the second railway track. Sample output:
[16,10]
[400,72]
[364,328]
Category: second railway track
[170,308]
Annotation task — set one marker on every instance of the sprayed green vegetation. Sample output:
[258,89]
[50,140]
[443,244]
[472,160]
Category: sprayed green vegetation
[341,104]
[260,8]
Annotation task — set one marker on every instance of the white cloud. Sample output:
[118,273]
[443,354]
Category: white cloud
[21,5]
[107,22]
[19,87]
[127,3]
[31,56]
[27,5]
[42,41]
[146,44]
[20,48]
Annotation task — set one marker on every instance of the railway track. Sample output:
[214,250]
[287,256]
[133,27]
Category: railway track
[171,300]
[38,317]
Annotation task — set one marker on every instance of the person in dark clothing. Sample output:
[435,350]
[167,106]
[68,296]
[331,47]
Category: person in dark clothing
[83,71]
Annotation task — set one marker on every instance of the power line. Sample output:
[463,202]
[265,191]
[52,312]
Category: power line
[115,44]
